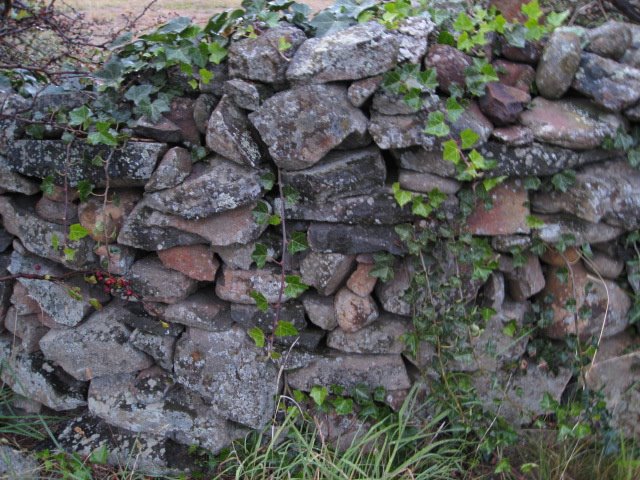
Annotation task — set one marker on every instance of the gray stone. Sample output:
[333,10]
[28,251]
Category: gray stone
[493,292]
[160,348]
[507,243]
[151,403]
[129,166]
[559,227]
[607,192]
[148,319]
[526,280]
[5,239]
[326,271]
[161,130]
[116,259]
[230,134]
[502,103]
[604,265]
[449,64]
[239,255]
[633,276]
[384,336]
[57,212]
[388,103]
[412,34]
[181,114]
[202,109]
[249,316]
[237,285]
[354,312]
[350,370]
[27,328]
[350,239]
[353,172]
[426,182]
[214,187]
[36,234]
[574,124]
[16,465]
[36,377]
[361,282]
[260,58]
[613,85]
[229,371]
[11,106]
[538,159]
[400,131]
[155,283]
[300,126]
[361,90]
[98,347]
[513,135]
[320,310]
[356,52]
[518,399]
[215,86]
[611,40]
[14,182]
[102,218]
[424,161]
[201,310]
[247,95]
[559,64]
[391,293]
[174,167]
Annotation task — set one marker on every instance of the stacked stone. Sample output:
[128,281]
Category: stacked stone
[178,368]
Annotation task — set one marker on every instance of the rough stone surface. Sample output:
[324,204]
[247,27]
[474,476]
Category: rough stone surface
[128,167]
[228,371]
[260,59]
[354,312]
[353,172]
[351,54]
[230,134]
[27,328]
[348,239]
[559,64]
[508,215]
[450,64]
[502,103]
[612,85]
[513,135]
[384,336]
[426,182]
[98,347]
[525,281]
[161,130]
[361,282]
[56,212]
[174,167]
[158,347]
[214,187]
[301,125]
[156,283]
[603,264]
[201,310]
[610,40]
[236,285]
[326,271]
[320,310]
[202,109]
[399,131]
[246,95]
[518,75]
[181,114]
[16,465]
[103,220]
[195,261]
[412,34]
[571,124]
[361,90]
[14,182]
[249,316]
[559,227]
[349,370]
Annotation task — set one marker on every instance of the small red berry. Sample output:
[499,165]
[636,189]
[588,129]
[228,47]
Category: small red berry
[37,267]
[129,293]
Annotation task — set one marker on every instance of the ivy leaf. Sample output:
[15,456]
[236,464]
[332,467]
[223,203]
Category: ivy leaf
[95,304]
[267,181]
[257,335]
[402,196]
[47,186]
[450,152]
[534,222]
[454,109]
[319,394]
[343,406]
[463,23]
[556,19]
[532,183]
[69,254]
[100,455]
[297,243]
[217,53]
[383,266]
[464,42]
[436,198]
[80,116]
[260,255]
[262,213]
[55,241]
[445,38]
[205,75]
[139,93]
[285,329]
[532,10]
[291,195]
[510,329]
[420,208]
[436,125]
[491,183]
[477,160]
[294,286]
[84,188]
[77,232]
[260,299]
[563,181]
[468,138]
[428,78]
[274,220]
[283,44]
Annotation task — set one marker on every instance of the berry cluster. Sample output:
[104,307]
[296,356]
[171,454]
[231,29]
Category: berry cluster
[115,285]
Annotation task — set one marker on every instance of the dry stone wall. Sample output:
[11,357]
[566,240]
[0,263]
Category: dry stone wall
[175,366]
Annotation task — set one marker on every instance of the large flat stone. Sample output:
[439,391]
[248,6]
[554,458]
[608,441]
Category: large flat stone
[155,283]
[349,239]
[384,336]
[14,182]
[508,214]
[326,271]
[559,227]
[201,310]
[237,285]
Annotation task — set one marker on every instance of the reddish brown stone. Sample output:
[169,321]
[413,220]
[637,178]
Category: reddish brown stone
[553,257]
[104,222]
[237,285]
[510,9]
[57,194]
[57,212]
[527,280]
[181,114]
[449,63]
[195,261]
[502,103]
[360,282]
[354,312]
[530,53]
[517,75]
[513,135]
[508,215]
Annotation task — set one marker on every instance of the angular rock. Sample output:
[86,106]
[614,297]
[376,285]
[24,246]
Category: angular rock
[353,172]
[502,103]
[5,239]
[195,261]
[249,316]
[354,312]
[103,219]
[450,64]
[525,281]
[412,34]
[350,239]
[604,265]
[36,377]
[390,294]
[130,166]
[559,64]
[229,371]
[571,124]
[400,131]
[384,336]
[14,182]
[118,259]
[349,370]
[201,310]
[181,114]
[202,109]
[218,186]
[423,161]
[236,285]
[215,86]
[300,126]
[16,465]
[37,235]
[518,75]
[160,130]
[155,283]
[426,182]
[260,59]
[246,95]
[608,192]
[388,103]
[611,40]
[612,85]
[356,52]
[361,282]
[513,135]
[508,214]
[238,255]
[530,53]
[606,301]
[326,271]
[320,310]
[27,328]
[230,134]
[361,90]
[146,318]
[560,227]
[174,167]
[56,212]
[633,276]
[160,348]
